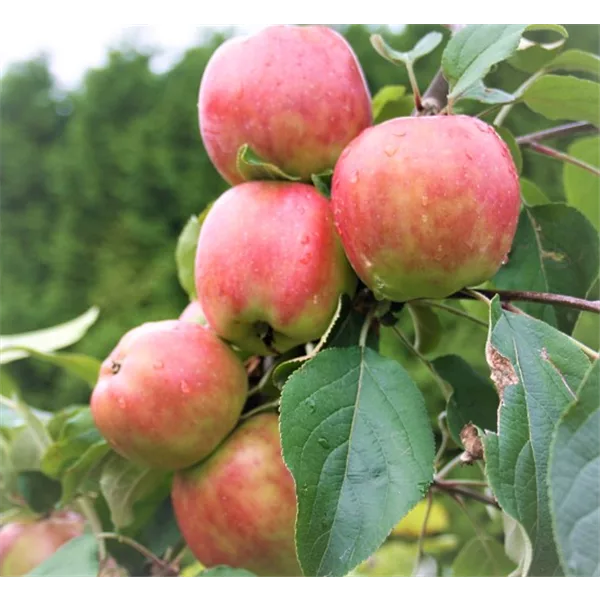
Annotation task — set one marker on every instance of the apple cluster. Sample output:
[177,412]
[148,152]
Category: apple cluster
[420,207]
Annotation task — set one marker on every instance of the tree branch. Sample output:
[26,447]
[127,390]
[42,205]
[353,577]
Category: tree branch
[458,490]
[434,98]
[553,153]
[555,132]
[539,297]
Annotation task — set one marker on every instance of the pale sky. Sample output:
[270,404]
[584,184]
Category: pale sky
[75,48]
[72,50]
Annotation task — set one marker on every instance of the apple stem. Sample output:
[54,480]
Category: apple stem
[421,540]
[526,296]
[553,153]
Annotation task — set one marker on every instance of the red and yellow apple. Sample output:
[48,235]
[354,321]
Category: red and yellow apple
[168,394]
[270,267]
[238,507]
[26,544]
[426,205]
[296,95]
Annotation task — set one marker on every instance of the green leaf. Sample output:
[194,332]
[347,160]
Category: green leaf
[555,250]
[474,50]
[428,327]
[427,44]
[223,571]
[78,449]
[515,151]
[85,367]
[124,484]
[574,481]
[576,60]
[46,340]
[390,102]
[582,188]
[517,545]
[11,417]
[482,557]
[587,328]
[531,194]
[252,167]
[9,388]
[322,181]
[361,459]
[479,92]
[77,558]
[473,399]
[532,56]
[185,254]
[40,492]
[536,370]
[564,97]
[34,425]
[346,330]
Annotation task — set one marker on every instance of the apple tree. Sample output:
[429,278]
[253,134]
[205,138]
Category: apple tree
[316,411]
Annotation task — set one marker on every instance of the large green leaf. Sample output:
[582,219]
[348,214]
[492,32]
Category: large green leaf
[12,347]
[532,56]
[76,558]
[574,481]
[474,50]
[125,484]
[482,557]
[473,399]
[576,60]
[564,97]
[536,370]
[555,250]
[357,439]
[582,188]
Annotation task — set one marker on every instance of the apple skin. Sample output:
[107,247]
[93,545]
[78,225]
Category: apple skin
[238,508]
[269,256]
[168,394]
[25,545]
[296,95]
[193,312]
[426,205]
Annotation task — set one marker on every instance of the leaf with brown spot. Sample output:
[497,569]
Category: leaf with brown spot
[535,368]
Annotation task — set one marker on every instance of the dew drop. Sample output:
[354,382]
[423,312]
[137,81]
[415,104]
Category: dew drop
[304,240]
[504,260]
[354,177]
[159,364]
[324,443]
[390,150]
[185,388]
[121,402]
[424,219]
[311,405]
[345,152]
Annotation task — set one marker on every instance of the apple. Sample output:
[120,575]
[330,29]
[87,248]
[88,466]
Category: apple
[26,544]
[193,312]
[270,267]
[296,95]
[426,205]
[238,508]
[168,394]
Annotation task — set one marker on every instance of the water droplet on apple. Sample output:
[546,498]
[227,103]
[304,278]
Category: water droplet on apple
[185,388]
[121,402]
[504,260]
[304,240]
[324,443]
[424,219]
[469,156]
[346,152]
[305,259]
[354,177]
[159,364]
[390,150]
[424,200]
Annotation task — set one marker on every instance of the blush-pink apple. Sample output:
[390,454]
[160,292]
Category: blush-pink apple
[270,267]
[295,95]
[238,507]
[26,544]
[168,394]
[426,205]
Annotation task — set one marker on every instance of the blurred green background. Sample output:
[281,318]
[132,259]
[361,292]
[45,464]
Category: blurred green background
[97,182]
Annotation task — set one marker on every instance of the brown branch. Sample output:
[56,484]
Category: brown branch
[553,153]
[434,98]
[459,490]
[539,297]
[555,132]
